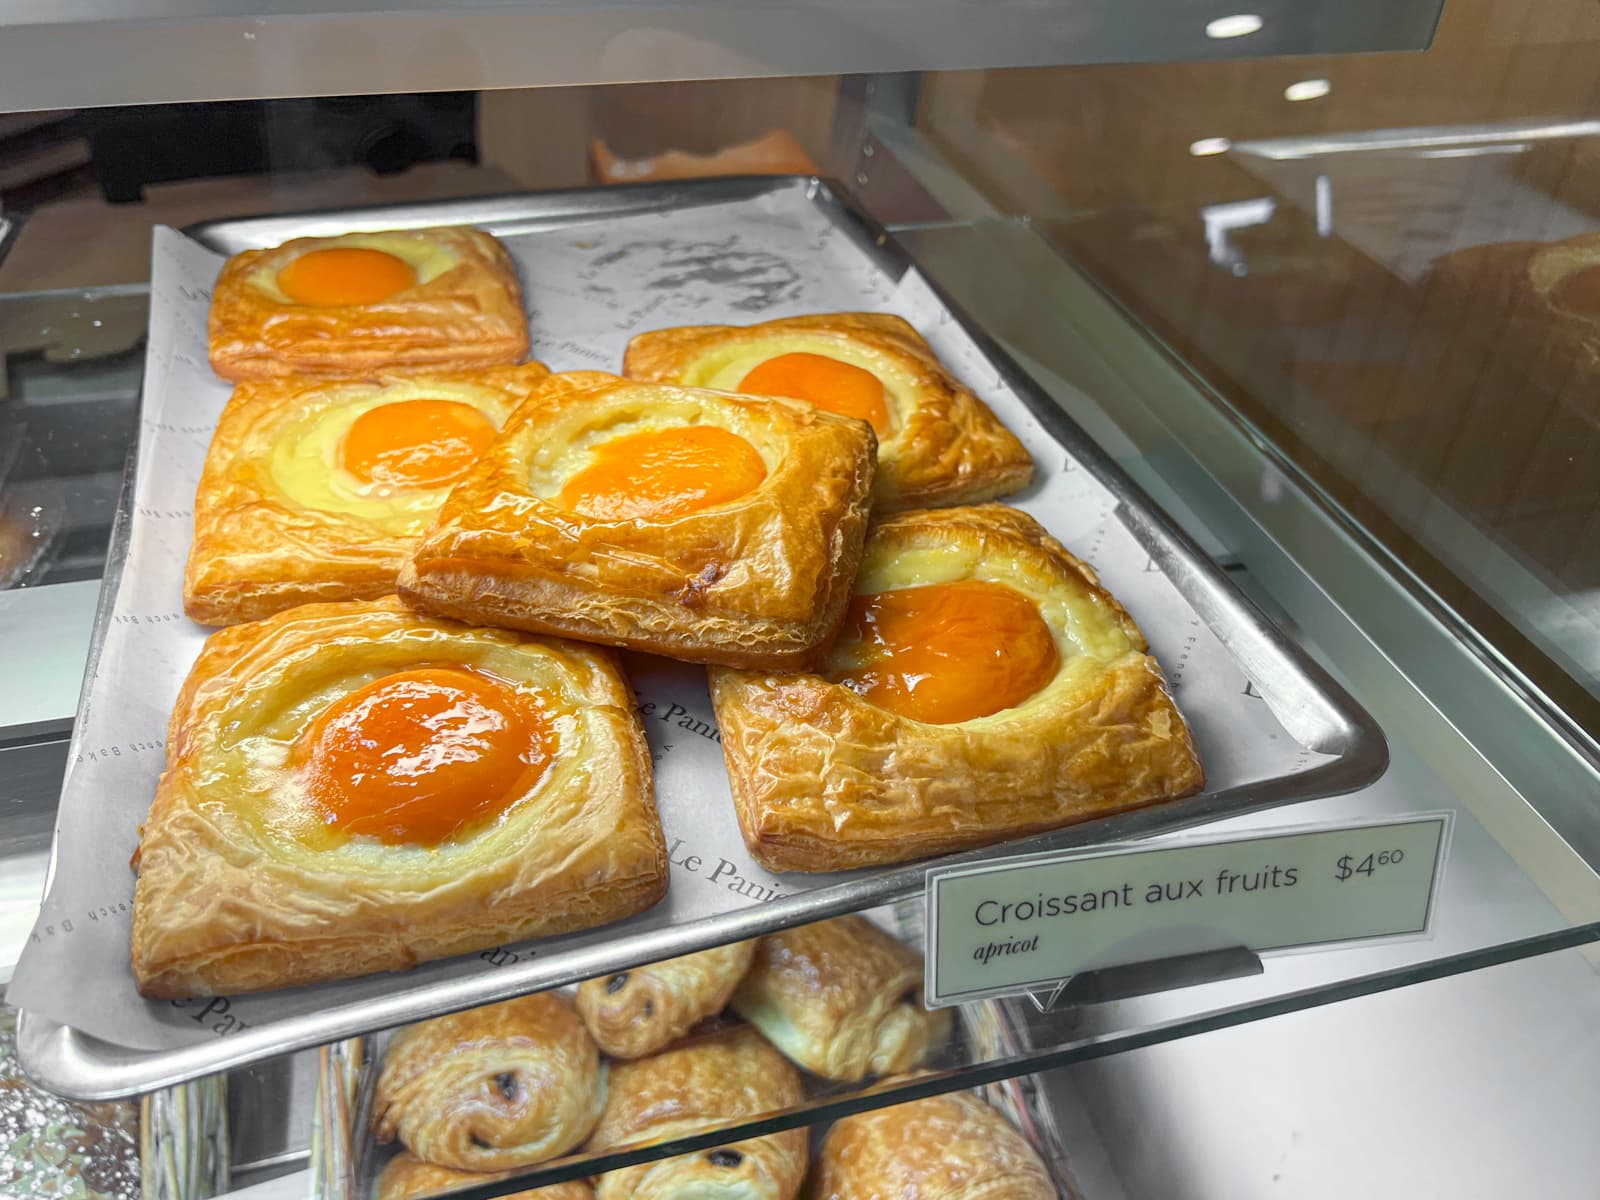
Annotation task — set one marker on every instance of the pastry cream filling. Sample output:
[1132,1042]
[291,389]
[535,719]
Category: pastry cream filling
[418,756]
[946,652]
[388,454]
[729,368]
[655,475]
[264,743]
[356,269]
[968,652]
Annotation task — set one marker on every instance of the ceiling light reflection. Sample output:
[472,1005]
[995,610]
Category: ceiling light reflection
[1307,89]
[1207,146]
[1237,25]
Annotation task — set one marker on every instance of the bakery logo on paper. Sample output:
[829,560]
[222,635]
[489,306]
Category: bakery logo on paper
[721,872]
[677,715]
[50,929]
[211,1012]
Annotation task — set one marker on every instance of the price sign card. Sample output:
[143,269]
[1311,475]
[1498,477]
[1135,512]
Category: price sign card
[1016,925]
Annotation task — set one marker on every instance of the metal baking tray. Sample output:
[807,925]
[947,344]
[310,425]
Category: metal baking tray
[1316,713]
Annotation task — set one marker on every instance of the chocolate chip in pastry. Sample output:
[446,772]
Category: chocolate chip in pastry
[636,1012]
[984,687]
[702,1084]
[693,524]
[407,1177]
[841,998]
[937,442]
[493,1088]
[361,302]
[950,1147]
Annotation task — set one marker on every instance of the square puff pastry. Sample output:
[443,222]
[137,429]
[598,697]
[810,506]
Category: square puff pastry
[465,310]
[279,521]
[760,580]
[825,780]
[239,889]
[942,446]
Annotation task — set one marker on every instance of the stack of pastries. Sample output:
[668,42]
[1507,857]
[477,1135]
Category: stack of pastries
[413,737]
[650,1055]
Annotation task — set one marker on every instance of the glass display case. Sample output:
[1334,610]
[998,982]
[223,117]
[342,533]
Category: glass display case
[1286,319]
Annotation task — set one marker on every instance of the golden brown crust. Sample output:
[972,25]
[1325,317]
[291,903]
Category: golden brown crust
[949,1147]
[468,316]
[229,900]
[407,1177]
[761,580]
[824,780]
[843,999]
[697,1086]
[636,1012]
[945,446]
[258,549]
[493,1088]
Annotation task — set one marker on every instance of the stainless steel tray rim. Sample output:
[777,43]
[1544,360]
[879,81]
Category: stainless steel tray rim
[82,1066]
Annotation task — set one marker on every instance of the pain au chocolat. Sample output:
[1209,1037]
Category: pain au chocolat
[638,1011]
[937,442]
[697,1086]
[688,523]
[841,998]
[949,1147]
[361,302]
[354,788]
[407,1177]
[985,687]
[494,1088]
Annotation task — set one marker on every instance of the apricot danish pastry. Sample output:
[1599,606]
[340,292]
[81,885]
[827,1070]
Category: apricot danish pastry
[937,442]
[694,524]
[354,788]
[316,489]
[359,302]
[985,687]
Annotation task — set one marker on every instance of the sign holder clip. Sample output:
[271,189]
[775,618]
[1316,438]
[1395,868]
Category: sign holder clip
[1105,984]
